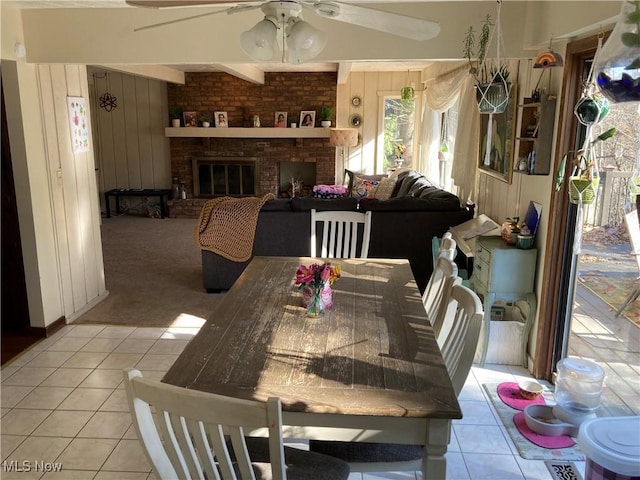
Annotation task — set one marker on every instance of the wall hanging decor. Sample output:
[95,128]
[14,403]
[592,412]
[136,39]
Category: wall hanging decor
[78,124]
[106,101]
[545,61]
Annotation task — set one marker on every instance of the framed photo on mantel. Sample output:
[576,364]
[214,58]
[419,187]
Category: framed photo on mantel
[280,120]
[190,119]
[221,119]
[307,118]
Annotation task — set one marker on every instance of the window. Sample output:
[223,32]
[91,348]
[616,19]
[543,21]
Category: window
[398,124]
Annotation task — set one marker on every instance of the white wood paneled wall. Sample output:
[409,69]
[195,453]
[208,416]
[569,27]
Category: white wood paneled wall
[369,86]
[131,149]
[72,186]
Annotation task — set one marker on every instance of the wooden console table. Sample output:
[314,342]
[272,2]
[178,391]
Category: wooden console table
[137,192]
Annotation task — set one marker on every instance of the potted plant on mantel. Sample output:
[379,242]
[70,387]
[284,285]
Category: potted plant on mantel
[326,114]
[493,87]
[206,119]
[175,113]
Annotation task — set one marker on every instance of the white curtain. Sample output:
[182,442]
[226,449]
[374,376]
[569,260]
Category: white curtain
[441,95]
[465,152]
[429,165]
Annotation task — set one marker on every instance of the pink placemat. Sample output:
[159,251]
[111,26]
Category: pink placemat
[509,393]
[560,441]
[526,448]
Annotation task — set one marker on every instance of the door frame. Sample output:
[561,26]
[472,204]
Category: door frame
[554,307]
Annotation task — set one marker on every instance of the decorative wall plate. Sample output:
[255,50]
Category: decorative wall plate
[355,120]
[355,101]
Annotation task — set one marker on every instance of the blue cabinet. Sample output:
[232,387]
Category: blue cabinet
[504,277]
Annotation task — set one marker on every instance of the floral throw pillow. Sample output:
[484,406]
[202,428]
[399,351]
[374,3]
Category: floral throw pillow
[363,188]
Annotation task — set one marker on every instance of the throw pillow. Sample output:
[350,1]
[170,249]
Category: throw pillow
[385,189]
[350,178]
[363,188]
[329,191]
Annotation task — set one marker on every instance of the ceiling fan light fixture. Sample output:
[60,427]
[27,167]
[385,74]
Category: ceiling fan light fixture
[305,42]
[259,42]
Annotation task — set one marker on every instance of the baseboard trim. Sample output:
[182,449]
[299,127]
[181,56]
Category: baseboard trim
[44,332]
[75,315]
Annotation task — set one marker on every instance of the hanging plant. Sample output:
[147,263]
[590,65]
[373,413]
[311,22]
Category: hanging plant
[493,89]
[408,92]
[584,179]
[492,75]
[476,60]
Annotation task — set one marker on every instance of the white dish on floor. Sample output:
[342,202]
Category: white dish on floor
[540,419]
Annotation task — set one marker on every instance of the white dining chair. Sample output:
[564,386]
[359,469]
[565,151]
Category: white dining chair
[340,234]
[198,435]
[633,229]
[449,246]
[458,349]
[434,298]
[446,244]
[460,333]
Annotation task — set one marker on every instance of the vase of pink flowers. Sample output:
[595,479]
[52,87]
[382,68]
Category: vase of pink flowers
[315,281]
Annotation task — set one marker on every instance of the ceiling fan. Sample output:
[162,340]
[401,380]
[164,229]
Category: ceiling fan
[304,41]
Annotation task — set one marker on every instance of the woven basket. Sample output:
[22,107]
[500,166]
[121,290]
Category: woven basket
[582,186]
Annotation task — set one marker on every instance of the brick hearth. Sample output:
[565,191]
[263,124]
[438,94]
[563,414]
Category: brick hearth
[214,91]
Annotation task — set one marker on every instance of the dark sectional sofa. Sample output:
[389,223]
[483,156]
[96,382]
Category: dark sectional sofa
[402,227]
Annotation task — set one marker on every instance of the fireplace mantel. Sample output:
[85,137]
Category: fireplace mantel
[235,132]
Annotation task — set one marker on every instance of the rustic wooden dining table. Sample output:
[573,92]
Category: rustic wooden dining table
[369,369]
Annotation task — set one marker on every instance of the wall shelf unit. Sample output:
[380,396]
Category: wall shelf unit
[535,136]
[235,132]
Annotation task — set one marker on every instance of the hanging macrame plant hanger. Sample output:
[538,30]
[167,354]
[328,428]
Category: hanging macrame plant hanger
[493,96]
[590,109]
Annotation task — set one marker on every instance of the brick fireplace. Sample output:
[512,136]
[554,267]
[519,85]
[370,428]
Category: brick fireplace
[290,92]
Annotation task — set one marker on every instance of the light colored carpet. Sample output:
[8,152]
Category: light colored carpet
[153,274]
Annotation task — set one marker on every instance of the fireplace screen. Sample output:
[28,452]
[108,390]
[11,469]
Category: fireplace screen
[218,176]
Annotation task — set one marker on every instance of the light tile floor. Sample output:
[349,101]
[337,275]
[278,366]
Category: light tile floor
[63,404]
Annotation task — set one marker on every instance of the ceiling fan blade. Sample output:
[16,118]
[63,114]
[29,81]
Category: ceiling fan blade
[177,20]
[243,8]
[394,23]
[180,3]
